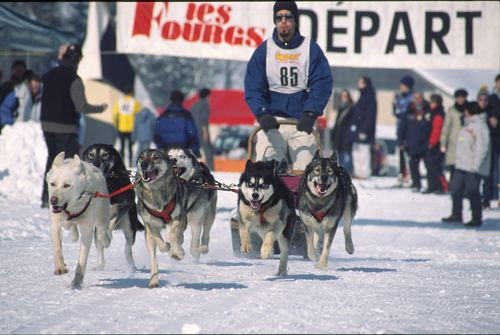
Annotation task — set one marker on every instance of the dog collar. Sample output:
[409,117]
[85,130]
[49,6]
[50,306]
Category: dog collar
[72,216]
[165,214]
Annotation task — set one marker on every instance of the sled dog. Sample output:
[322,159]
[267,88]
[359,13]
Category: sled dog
[201,202]
[326,195]
[265,206]
[71,185]
[162,202]
[123,208]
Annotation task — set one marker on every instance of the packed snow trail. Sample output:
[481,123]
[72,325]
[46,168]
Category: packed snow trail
[409,273]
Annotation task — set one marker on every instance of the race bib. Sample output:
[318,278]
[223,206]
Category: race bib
[287,69]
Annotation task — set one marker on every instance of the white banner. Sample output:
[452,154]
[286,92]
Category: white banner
[425,35]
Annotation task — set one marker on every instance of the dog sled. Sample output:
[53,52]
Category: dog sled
[291,178]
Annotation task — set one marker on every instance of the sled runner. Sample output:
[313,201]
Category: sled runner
[291,178]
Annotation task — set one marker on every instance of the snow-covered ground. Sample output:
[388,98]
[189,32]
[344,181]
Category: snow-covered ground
[409,273]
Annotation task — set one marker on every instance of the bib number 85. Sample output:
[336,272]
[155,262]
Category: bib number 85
[289,76]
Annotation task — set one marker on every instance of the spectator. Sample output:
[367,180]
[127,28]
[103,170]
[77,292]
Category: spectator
[453,122]
[436,182]
[124,112]
[362,130]
[414,133]
[471,163]
[63,100]
[201,114]
[288,87]
[144,124]
[35,86]
[16,103]
[341,130]
[490,191]
[19,75]
[399,108]
[8,108]
[175,127]
[494,124]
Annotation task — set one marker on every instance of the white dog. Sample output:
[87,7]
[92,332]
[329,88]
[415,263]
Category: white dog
[72,184]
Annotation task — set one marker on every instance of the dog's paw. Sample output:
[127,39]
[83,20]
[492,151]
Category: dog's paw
[61,270]
[322,265]
[246,246]
[177,254]
[282,273]
[165,247]
[266,250]
[349,247]
[76,285]
[153,283]
[311,255]
[204,249]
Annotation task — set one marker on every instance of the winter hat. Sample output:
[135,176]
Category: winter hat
[461,93]
[73,53]
[288,5]
[408,81]
[473,108]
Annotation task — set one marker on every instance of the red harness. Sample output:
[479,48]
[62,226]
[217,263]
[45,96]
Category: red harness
[318,215]
[121,190]
[261,213]
[165,214]
[72,216]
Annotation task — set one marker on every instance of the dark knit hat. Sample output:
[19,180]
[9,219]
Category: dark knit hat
[408,81]
[288,5]
[176,97]
[461,93]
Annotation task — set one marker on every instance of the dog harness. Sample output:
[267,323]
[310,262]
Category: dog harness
[72,216]
[165,214]
[318,215]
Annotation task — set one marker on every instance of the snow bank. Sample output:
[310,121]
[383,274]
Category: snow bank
[23,155]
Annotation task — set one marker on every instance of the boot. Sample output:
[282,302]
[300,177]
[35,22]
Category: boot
[473,223]
[452,219]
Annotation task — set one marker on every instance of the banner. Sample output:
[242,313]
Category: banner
[416,34]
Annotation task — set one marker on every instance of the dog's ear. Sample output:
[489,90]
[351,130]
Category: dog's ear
[59,160]
[77,164]
[335,157]
[248,165]
[316,155]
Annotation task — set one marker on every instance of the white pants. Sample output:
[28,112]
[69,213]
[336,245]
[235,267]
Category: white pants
[361,159]
[287,143]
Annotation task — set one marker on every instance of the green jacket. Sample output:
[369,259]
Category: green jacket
[449,134]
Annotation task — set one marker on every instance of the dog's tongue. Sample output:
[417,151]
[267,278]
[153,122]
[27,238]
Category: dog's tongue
[255,205]
[150,175]
[320,189]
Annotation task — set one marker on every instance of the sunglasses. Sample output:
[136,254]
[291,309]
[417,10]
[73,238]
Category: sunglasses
[279,17]
[483,99]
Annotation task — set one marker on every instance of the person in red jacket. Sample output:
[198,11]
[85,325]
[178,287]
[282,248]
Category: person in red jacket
[436,182]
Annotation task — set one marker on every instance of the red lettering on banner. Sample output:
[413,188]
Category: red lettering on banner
[224,14]
[204,23]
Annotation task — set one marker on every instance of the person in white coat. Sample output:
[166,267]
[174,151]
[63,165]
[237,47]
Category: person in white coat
[472,163]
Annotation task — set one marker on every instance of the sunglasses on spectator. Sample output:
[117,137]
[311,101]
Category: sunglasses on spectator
[279,17]
[483,99]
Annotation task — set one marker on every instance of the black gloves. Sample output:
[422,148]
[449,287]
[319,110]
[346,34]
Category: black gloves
[306,123]
[267,121]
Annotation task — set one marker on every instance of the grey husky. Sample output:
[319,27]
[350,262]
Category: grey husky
[162,202]
[123,208]
[265,206]
[326,195]
[201,202]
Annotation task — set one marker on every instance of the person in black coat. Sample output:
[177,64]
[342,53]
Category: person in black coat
[414,133]
[362,130]
[340,131]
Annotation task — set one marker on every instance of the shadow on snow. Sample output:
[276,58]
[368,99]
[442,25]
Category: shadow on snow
[488,224]
[211,286]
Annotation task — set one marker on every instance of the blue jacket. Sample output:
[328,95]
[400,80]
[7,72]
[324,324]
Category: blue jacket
[415,129]
[7,108]
[175,127]
[144,124]
[364,116]
[401,104]
[261,100]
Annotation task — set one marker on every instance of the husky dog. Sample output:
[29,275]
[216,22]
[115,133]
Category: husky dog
[72,184]
[162,201]
[123,208]
[201,205]
[326,194]
[265,206]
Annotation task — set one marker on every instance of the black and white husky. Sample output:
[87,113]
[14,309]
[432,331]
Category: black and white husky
[201,202]
[123,208]
[265,206]
[326,195]
[162,202]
